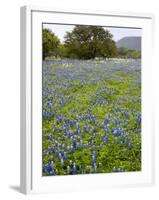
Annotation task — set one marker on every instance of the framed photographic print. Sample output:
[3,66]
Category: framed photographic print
[86,100]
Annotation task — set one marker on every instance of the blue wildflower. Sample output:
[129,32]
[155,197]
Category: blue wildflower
[86,128]
[59,155]
[49,168]
[77,125]
[117,121]
[106,120]
[51,173]
[74,169]
[139,120]
[74,143]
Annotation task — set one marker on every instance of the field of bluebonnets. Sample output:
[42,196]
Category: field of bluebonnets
[91,116]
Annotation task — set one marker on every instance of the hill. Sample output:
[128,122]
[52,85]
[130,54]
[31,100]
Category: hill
[130,43]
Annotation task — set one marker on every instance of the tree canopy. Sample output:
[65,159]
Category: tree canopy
[86,42]
[128,53]
[50,43]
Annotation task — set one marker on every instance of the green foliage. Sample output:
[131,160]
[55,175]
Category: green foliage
[84,42]
[50,43]
[128,53]
[87,42]
[108,90]
[62,51]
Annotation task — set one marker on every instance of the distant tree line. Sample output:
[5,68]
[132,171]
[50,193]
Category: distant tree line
[84,42]
[128,53]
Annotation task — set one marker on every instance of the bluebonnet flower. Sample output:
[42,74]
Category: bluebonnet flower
[52,163]
[77,125]
[60,118]
[106,120]
[77,131]
[71,124]
[105,128]
[106,137]
[117,121]
[74,143]
[90,120]
[60,129]
[49,148]
[74,169]
[139,120]
[117,132]
[86,128]
[139,115]
[135,130]
[59,155]
[50,137]
[68,140]
[57,121]
[93,131]
[49,168]
[56,143]
[51,173]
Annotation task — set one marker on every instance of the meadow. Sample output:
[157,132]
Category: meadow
[91,116]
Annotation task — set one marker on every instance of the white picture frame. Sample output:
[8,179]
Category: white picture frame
[32,181]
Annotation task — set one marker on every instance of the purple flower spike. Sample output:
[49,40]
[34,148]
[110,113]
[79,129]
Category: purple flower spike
[86,128]
[106,120]
[117,121]
[51,173]
[74,169]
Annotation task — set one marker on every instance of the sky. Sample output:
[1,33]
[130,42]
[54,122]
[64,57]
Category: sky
[118,33]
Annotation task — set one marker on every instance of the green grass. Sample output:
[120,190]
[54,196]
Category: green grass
[104,98]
